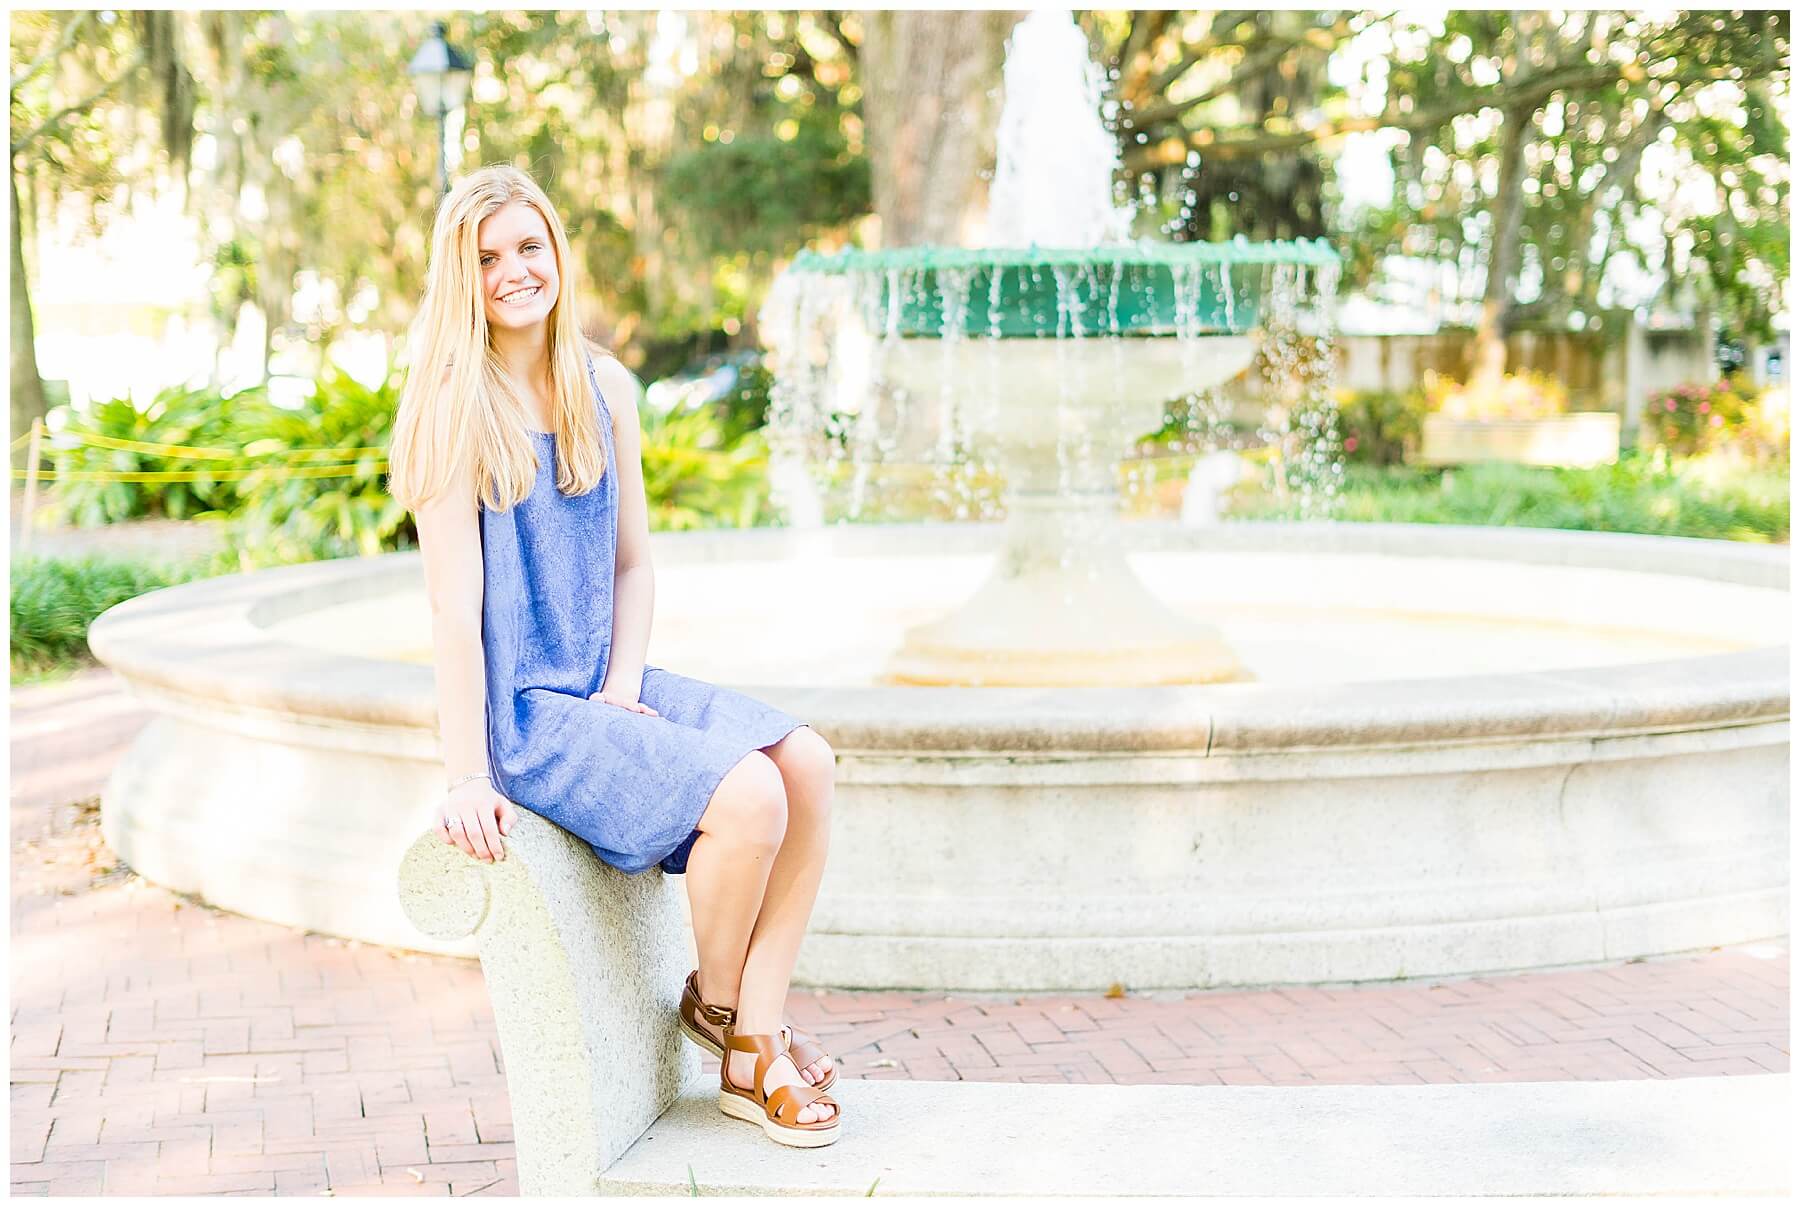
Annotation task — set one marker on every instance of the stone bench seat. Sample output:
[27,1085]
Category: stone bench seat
[1703,1135]
[584,967]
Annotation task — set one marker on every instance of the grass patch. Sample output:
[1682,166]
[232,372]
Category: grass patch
[54,600]
[1715,497]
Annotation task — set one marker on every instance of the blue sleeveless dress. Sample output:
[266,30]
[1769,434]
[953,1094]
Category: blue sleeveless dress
[631,786]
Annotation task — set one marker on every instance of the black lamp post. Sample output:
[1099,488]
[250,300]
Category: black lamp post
[441,77]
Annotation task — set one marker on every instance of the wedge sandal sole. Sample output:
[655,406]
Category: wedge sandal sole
[794,1137]
[704,1040]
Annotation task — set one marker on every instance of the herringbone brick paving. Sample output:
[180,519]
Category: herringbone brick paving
[159,1046]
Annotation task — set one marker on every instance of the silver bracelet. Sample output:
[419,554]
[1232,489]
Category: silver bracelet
[473,775]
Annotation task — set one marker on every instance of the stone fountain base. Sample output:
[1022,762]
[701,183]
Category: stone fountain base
[1071,838]
[1062,607]
[1081,620]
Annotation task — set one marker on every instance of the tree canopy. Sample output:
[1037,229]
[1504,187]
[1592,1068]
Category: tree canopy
[1546,160]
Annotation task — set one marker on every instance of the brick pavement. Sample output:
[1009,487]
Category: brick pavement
[159,1046]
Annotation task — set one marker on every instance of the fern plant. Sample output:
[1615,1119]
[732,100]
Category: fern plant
[695,478]
[175,416]
[294,508]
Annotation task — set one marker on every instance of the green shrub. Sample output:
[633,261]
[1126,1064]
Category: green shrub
[288,514]
[54,600]
[694,477]
[176,416]
[740,409]
[1379,427]
[762,194]
[290,505]
[702,467]
[746,408]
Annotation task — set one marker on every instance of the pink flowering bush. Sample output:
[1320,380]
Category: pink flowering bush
[1695,418]
[1379,427]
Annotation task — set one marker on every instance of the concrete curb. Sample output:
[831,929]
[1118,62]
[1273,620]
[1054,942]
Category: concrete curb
[1699,1135]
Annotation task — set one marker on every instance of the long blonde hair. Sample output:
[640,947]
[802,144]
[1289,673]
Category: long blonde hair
[457,400]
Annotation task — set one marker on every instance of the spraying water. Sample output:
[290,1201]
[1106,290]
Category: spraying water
[1055,159]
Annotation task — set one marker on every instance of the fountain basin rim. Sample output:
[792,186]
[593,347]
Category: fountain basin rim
[209,644]
[926,256]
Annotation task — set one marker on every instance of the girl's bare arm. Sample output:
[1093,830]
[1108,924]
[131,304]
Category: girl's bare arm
[450,542]
[634,582]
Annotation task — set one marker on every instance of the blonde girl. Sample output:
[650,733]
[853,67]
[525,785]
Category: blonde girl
[516,447]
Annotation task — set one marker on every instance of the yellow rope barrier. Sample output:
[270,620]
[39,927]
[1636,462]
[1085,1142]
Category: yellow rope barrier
[199,453]
[278,473]
[277,462]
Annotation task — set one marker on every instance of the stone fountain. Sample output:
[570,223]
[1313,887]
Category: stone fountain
[1046,354]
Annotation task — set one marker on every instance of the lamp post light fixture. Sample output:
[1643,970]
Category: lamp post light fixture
[440,75]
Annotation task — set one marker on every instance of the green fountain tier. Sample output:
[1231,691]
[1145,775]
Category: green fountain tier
[1136,289]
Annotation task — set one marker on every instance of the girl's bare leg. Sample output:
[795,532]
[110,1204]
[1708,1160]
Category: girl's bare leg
[806,768]
[728,869]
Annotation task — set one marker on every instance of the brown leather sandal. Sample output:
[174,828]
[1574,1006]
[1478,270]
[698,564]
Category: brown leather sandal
[805,1048]
[693,1010]
[775,1111]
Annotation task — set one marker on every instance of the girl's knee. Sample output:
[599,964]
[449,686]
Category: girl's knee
[750,804]
[807,761]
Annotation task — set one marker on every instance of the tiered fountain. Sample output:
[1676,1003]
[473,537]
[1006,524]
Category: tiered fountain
[1045,355]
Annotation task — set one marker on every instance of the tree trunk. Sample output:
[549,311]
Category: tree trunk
[927,79]
[27,387]
[1508,214]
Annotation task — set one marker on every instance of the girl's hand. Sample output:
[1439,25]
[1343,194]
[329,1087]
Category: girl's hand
[619,698]
[475,818]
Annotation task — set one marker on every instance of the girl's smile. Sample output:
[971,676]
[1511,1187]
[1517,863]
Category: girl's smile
[518,266]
